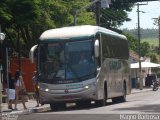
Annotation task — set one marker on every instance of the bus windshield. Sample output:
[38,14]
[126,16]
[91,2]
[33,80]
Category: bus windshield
[66,62]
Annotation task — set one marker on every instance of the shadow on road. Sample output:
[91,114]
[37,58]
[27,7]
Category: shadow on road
[87,107]
[154,108]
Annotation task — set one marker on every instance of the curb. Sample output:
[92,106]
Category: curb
[139,91]
[25,112]
[28,111]
[40,109]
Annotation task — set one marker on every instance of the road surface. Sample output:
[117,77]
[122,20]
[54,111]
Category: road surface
[143,105]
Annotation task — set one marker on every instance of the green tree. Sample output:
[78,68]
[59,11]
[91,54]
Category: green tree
[116,14]
[21,15]
[154,57]
[133,45]
[24,20]
[132,42]
[145,48]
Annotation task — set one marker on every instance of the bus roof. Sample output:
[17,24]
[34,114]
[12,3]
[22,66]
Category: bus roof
[76,32]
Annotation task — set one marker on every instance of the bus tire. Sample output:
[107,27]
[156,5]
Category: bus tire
[115,100]
[103,101]
[57,106]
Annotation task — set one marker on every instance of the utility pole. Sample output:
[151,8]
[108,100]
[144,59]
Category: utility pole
[159,33]
[19,50]
[79,10]
[0,81]
[139,48]
[2,37]
[98,7]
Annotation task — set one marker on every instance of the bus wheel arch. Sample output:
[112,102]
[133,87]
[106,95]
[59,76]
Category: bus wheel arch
[123,97]
[105,90]
[105,96]
[125,86]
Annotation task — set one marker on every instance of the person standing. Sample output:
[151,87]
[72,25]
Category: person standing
[20,88]
[11,91]
[35,85]
[83,59]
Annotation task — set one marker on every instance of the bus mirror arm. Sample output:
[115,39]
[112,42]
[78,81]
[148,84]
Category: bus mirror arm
[96,48]
[31,55]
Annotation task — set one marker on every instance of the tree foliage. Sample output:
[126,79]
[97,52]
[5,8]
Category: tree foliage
[23,21]
[116,14]
[132,42]
[145,48]
[145,33]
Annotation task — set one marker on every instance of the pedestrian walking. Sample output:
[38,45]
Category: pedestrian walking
[11,91]
[35,85]
[20,89]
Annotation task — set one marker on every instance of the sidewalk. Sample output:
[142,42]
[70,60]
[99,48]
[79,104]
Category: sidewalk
[30,108]
[32,103]
[137,90]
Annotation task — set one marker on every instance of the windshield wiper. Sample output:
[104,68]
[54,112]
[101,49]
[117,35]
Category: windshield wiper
[88,75]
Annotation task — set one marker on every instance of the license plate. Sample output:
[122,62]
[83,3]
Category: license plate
[67,97]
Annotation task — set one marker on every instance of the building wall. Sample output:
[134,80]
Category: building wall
[27,69]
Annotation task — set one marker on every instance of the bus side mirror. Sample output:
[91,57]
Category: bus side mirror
[96,48]
[31,54]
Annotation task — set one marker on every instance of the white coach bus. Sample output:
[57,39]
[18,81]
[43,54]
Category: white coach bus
[103,74]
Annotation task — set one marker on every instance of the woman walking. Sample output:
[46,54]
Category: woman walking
[11,91]
[20,89]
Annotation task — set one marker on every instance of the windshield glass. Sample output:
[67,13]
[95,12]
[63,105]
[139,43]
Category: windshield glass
[66,62]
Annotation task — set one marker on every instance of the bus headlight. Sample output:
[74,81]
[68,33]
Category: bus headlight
[90,85]
[87,86]
[46,89]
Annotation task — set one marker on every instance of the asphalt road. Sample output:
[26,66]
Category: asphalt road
[144,105]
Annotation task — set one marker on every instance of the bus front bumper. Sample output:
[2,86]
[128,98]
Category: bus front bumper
[48,97]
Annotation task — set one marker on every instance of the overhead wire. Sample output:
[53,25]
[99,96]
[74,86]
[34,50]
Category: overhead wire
[107,13]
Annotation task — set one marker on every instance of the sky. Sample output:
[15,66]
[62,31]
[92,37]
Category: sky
[152,10]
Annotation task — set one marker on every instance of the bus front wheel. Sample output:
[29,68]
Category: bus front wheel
[103,101]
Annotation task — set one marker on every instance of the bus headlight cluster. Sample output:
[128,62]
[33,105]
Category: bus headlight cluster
[87,86]
[90,85]
[46,89]
[94,83]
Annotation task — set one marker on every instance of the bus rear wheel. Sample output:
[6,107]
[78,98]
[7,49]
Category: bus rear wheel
[123,98]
